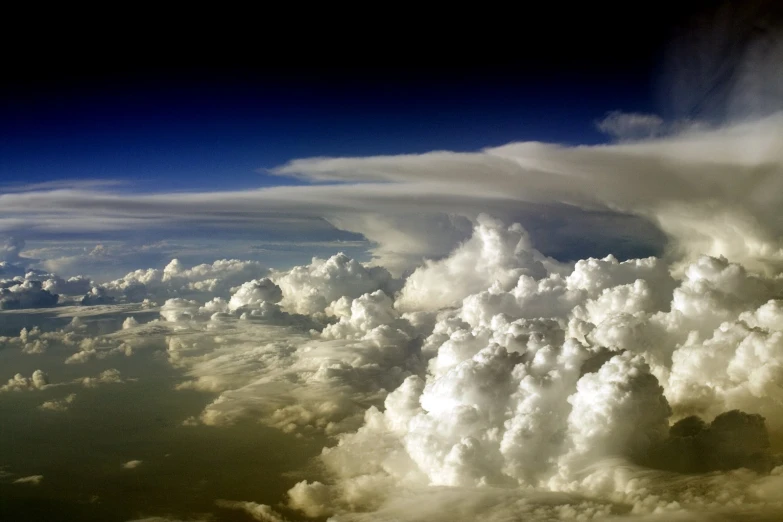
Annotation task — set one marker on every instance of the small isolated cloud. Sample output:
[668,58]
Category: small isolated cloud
[260,512]
[33,480]
[110,376]
[58,405]
[631,125]
[131,464]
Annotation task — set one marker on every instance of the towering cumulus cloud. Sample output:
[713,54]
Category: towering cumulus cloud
[549,391]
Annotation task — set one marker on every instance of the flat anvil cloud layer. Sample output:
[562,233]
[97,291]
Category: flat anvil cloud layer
[495,383]
[713,192]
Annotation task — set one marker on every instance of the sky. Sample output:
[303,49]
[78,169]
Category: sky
[140,126]
[221,129]
[517,278]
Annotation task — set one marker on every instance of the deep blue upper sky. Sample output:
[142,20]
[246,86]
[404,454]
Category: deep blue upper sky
[205,115]
[190,132]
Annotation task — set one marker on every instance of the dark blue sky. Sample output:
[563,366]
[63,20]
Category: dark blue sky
[187,131]
[203,112]
[193,110]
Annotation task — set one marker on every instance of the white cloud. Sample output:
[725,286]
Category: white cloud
[260,512]
[713,191]
[25,293]
[631,126]
[58,404]
[310,289]
[33,480]
[18,382]
[176,281]
[110,376]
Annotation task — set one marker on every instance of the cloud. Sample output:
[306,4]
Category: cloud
[9,251]
[25,293]
[712,191]
[58,405]
[177,281]
[32,480]
[260,512]
[310,289]
[489,380]
[131,464]
[493,255]
[630,126]
[562,379]
[37,381]
[110,376]
[562,385]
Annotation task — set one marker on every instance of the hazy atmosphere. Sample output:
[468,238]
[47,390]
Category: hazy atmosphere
[542,289]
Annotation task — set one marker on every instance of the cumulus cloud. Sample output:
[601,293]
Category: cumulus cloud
[310,289]
[58,404]
[25,293]
[533,388]
[177,281]
[84,340]
[567,379]
[110,376]
[19,382]
[494,255]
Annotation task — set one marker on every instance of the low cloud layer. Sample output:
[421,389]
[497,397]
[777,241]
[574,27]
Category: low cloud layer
[534,388]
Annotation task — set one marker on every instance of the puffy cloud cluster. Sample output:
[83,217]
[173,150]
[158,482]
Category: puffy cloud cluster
[36,289]
[20,293]
[495,256]
[40,381]
[110,376]
[176,281]
[58,404]
[569,380]
[494,381]
[18,382]
[81,340]
[310,289]
[22,287]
